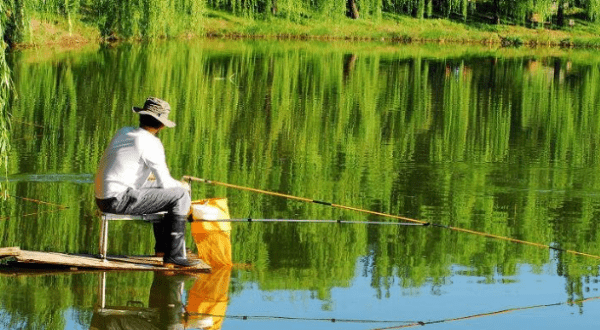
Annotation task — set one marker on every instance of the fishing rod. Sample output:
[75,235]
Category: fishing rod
[316,221]
[425,223]
[302,199]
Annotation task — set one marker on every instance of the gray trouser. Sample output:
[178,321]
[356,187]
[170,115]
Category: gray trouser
[175,201]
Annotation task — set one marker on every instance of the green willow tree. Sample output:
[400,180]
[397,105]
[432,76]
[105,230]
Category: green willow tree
[147,18]
[142,19]
[67,8]
[5,83]
[593,9]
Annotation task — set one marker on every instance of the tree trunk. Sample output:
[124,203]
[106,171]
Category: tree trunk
[274,7]
[351,9]
[420,13]
[557,66]
[496,19]
[560,14]
[428,8]
[349,61]
[268,107]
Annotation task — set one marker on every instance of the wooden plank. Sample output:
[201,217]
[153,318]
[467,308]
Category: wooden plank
[9,251]
[93,262]
[147,260]
[144,312]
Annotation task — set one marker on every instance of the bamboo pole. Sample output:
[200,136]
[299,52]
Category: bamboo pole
[458,229]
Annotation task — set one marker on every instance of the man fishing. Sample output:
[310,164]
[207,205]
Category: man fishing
[122,184]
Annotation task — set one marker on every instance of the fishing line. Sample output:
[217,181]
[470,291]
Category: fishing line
[60,207]
[503,311]
[408,324]
[32,214]
[316,221]
[28,138]
[5,195]
[468,231]
[26,123]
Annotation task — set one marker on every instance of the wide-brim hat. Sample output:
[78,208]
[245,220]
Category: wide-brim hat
[156,108]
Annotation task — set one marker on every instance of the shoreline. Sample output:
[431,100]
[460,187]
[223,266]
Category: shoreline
[57,33]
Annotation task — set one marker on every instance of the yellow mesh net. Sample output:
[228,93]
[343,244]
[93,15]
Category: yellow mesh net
[212,238]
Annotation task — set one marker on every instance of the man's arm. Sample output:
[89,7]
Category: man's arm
[154,157]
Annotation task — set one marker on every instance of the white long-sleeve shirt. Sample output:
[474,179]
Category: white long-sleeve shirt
[131,156]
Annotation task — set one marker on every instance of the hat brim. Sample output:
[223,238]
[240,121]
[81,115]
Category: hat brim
[165,121]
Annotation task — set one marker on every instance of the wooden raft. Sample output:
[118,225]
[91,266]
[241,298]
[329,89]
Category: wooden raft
[87,261]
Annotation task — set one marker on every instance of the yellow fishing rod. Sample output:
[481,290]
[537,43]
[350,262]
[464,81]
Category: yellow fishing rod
[387,215]
[302,199]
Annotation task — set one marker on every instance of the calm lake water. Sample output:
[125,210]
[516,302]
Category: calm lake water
[497,141]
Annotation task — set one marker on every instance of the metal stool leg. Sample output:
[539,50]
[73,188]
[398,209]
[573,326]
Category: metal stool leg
[102,291]
[104,239]
[101,238]
[106,217]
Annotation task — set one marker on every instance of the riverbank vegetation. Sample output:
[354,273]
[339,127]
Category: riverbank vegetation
[4,92]
[507,22]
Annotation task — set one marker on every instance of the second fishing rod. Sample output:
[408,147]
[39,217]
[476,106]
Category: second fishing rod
[343,222]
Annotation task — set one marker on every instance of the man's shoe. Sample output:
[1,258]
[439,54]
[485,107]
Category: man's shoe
[180,261]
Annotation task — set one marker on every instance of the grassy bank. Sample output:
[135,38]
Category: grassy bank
[58,32]
[402,28]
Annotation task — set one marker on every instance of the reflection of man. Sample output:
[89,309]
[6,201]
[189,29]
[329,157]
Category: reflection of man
[165,312]
[166,296]
[122,184]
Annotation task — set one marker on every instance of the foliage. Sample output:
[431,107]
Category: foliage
[143,19]
[5,88]
[148,18]
[593,9]
[14,15]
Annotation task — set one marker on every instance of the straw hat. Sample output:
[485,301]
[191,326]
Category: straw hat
[156,108]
